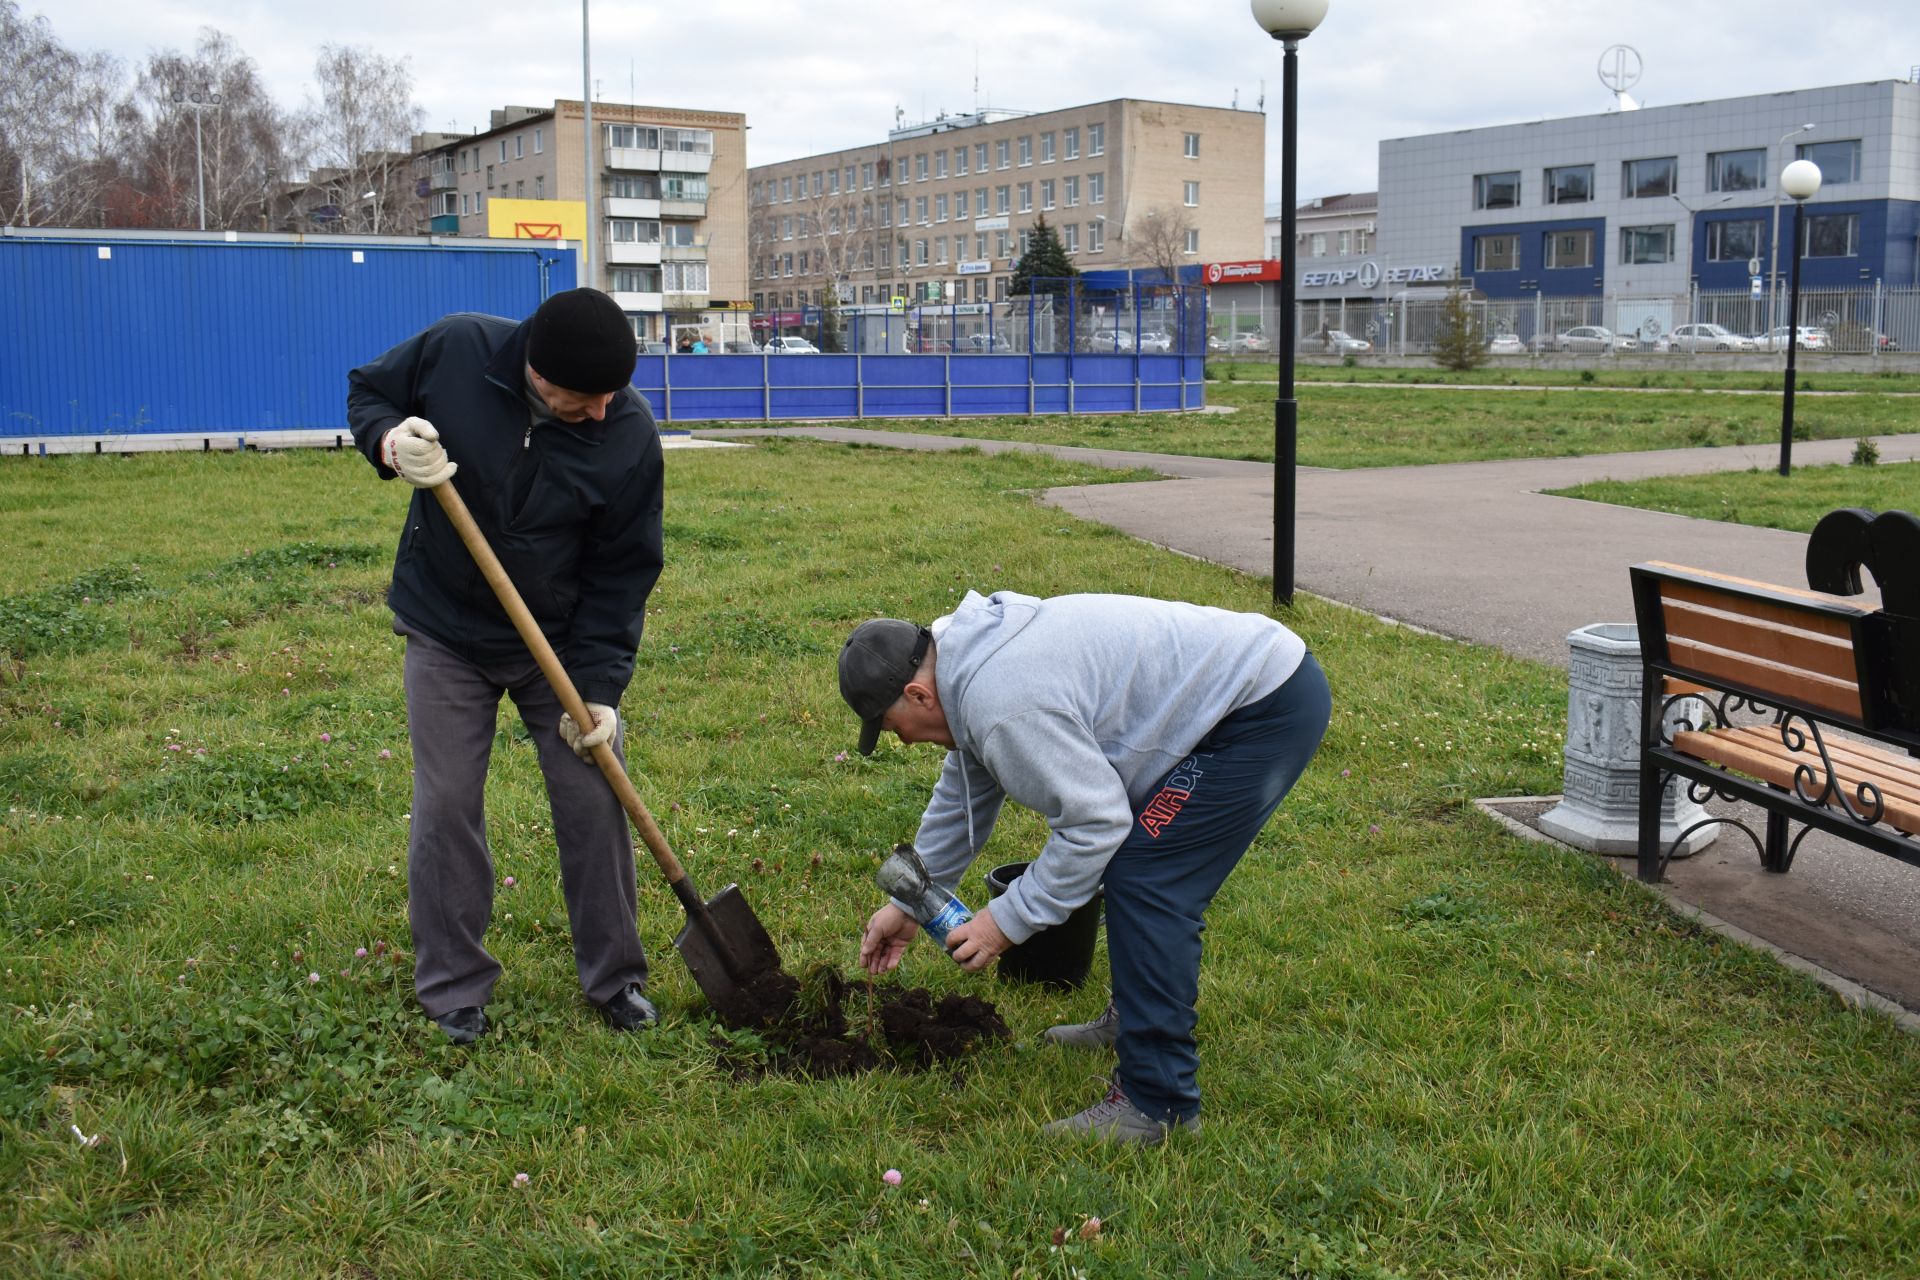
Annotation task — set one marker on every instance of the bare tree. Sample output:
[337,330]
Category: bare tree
[57,110]
[1159,240]
[240,156]
[357,141]
[837,230]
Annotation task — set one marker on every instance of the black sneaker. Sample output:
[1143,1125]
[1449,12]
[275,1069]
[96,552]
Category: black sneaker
[629,1011]
[463,1026]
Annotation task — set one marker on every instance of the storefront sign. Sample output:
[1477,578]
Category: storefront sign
[976,267]
[1370,275]
[990,224]
[1243,272]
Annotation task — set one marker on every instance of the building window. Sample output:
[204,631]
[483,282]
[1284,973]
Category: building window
[520,189]
[1496,190]
[1002,154]
[1733,241]
[1570,184]
[1568,249]
[1496,253]
[1645,179]
[489,177]
[833,182]
[940,164]
[786,190]
[1193,146]
[979,244]
[1046,193]
[1026,150]
[1097,236]
[960,204]
[920,210]
[1096,139]
[1192,194]
[960,162]
[1346,243]
[1026,197]
[817,187]
[1073,144]
[1046,148]
[920,253]
[1002,245]
[539,141]
[683,186]
[1642,246]
[940,207]
[503,150]
[1193,240]
[1070,237]
[1003,199]
[866,177]
[1073,192]
[1362,239]
[1000,288]
[463,159]
[684,277]
[940,251]
[1839,161]
[447,203]
[519,145]
[633,231]
[1737,170]
[1317,245]
[679,234]
[1833,235]
[1096,188]
[636,279]
[849,179]
[920,167]
[979,157]
[540,187]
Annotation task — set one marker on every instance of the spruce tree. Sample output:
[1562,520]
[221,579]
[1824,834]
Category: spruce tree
[1458,342]
[1045,266]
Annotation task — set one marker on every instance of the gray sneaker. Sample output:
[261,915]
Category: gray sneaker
[1098,1034]
[1114,1119]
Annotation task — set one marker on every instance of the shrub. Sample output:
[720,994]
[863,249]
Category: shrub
[1865,453]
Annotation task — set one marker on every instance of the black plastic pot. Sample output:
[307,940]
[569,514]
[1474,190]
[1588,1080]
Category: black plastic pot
[1059,957]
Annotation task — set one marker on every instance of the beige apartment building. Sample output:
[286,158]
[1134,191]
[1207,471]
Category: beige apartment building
[669,222]
[942,210]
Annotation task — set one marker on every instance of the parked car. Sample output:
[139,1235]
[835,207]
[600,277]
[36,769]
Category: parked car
[1249,342]
[741,347]
[1593,339]
[790,345]
[650,347]
[1156,340]
[1506,344]
[1216,343]
[1106,341]
[1704,337]
[1806,337]
[1335,342]
[989,342]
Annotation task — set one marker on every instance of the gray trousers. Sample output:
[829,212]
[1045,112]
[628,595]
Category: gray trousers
[452,710]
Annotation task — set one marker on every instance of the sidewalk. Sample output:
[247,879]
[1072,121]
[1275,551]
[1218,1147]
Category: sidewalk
[1477,551]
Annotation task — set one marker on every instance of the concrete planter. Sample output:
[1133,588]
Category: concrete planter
[1599,809]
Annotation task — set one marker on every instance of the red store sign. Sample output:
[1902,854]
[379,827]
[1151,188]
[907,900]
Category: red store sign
[1243,272]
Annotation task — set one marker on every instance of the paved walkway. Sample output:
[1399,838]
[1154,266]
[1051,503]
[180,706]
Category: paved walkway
[1479,552]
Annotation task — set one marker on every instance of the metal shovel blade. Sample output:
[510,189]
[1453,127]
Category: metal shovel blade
[727,950]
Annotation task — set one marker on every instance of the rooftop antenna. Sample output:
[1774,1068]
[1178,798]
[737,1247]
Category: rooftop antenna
[1620,68]
[1262,103]
[1236,97]
[976,79]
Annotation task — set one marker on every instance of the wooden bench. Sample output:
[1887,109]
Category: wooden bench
[1801,702]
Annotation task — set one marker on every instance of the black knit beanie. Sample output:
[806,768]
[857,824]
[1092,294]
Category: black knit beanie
[581,341]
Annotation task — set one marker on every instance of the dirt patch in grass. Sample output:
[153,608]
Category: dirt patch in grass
[827,1025]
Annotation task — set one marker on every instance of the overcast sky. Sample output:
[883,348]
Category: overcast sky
[819,75]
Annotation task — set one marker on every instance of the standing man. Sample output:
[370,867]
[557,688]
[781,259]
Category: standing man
[559,462]
[1156,738]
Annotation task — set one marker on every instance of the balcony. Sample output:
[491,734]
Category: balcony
[631,207]
[687,301]
[683,208]
[446,224]
[695,252]
[634,255]
[638,301]
[442,179]
[633,158]
[685,161]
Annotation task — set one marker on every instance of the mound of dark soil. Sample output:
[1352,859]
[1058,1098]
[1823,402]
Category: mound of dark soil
[828,1026]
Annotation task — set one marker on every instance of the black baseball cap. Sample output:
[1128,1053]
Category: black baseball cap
[876,663]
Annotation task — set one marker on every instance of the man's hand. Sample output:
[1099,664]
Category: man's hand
[977,943]
[413,449]
[605,721]
[887,936]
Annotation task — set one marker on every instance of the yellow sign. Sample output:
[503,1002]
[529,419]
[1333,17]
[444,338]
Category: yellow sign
[537,219]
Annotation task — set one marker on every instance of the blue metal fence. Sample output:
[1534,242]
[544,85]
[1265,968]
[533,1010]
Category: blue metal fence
[130,334]
[771,388]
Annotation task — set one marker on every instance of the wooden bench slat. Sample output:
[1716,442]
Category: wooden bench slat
[1827,655]
[1898,774]
[1771,762]
[1824,692]
[1821,599]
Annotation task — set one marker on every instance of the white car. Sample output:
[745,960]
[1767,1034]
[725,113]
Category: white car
[1806,338]
[791,346]
[1335,343]
[1706,337]
[1506,344]
[1249,342]
[1156,340]
[1593,338]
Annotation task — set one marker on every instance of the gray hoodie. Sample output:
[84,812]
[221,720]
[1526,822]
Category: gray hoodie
[1075,707]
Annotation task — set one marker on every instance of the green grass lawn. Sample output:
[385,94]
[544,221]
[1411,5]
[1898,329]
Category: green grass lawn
[1705,375]
[1406,426]
[1428,1048]
[1765,497]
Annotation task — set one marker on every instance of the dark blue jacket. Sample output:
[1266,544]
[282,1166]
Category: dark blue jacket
[571,509]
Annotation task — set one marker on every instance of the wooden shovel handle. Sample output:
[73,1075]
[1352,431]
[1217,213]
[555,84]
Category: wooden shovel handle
[503,588]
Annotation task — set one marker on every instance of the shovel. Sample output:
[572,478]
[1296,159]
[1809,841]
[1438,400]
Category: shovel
[723,943]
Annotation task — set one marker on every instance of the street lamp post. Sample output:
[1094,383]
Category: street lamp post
[1288,21]
[1799,180]
[200,100]
[1773,257]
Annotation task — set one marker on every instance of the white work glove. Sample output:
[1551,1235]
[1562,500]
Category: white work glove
[413,449]
[605,721]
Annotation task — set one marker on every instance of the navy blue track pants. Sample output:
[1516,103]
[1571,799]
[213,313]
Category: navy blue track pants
[1190,834]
